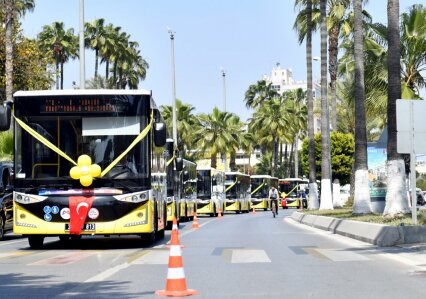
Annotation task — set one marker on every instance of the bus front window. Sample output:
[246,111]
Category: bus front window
[203,184]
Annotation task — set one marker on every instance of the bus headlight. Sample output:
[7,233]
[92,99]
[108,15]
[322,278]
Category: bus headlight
[137,197]
[27,198]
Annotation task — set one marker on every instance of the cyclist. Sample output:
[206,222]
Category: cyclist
[273,196]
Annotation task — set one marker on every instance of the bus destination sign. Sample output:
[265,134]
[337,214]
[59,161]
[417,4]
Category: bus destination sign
[80,105]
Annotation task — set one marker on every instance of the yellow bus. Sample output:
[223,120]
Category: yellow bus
[86,164]
[260,185]
[188,183]
[237,192]
[210,191]
[293,192]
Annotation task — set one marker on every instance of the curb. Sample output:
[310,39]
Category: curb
[373,233]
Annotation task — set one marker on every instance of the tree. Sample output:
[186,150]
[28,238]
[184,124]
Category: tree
[213,133]
[61,45]
[186,124]
[95,38]
[259,93]
[342,153]
[362,203]
[11,8]
[396,196]
[313,202]
[326,194]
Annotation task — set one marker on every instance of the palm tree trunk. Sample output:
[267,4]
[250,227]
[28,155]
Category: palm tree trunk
[8,14]
[96,63]
[296,156]
[232,164]
[57,71]
[326,195]
[396,196]
[313,202]
[291,164]
[362,203]
[62,74]
[333,50]
[107,70]
[213,160]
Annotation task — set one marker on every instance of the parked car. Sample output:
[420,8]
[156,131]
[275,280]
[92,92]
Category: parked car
[6,198]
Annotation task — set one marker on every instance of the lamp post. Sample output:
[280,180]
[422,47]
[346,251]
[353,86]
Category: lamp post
[172,39]
[81,42]
[225,160]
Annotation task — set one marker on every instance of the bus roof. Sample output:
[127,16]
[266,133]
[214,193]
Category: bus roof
[259,176]
[235,172]
[71,92]
[293,180]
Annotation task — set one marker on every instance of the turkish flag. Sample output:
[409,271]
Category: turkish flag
[79,208]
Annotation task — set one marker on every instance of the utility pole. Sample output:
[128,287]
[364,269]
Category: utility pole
[81,41]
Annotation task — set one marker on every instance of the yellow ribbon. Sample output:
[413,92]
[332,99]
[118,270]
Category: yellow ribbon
[227,189]
[43,140]
[171,160]
[132,145]
[257,189]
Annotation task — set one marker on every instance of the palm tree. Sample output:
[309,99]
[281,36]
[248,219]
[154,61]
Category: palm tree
[11,8]
[313,202]
[213,134]
[362,204]
[95,38]
[326,194]
[271,121]
[239,134]
[396,196]
[186,124]
[110,45]
[259,93]
[60,44]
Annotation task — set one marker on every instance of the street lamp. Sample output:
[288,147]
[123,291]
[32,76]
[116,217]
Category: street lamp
[172,39]
[225,160]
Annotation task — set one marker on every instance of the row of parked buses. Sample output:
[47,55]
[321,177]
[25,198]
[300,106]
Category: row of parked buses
[98,162]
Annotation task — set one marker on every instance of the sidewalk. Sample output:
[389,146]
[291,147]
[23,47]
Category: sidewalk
[412,254]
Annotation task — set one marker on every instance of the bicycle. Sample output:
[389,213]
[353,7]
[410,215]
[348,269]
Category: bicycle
[274,208]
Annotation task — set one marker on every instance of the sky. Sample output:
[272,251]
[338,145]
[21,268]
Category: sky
[244,37]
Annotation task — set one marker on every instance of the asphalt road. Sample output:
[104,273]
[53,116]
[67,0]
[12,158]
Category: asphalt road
[236,256]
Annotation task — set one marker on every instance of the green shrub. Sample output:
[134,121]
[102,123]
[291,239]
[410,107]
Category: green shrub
[6,145]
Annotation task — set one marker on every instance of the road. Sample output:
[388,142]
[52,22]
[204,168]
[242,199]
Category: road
[236,256]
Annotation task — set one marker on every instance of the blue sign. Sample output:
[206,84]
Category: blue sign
[47,217]
[47,209]
[55,210]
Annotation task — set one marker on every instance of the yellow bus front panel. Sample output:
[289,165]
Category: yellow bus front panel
[138,221]
[171,211]
[205,208]
[259,203]
[232,205]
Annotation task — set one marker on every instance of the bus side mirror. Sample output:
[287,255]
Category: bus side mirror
[160,133]
[5,114]
[179,164]
[185,175]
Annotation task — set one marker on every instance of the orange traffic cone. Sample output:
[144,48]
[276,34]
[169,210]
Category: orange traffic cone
[176,282]
[195,222]
[175,234]
[219,213]
[254,211]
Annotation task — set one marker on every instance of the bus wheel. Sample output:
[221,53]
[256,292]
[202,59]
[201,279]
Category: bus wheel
[36,242]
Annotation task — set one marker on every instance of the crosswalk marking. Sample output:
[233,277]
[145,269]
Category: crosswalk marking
[152,257]
[64,259]
[245,256]
[341,255]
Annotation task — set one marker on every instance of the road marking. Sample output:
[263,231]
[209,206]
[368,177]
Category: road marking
[315,253]
[107,273]
[153,257]
[245,256]
[15,254]
[4,243]
[341,255]
[64,259]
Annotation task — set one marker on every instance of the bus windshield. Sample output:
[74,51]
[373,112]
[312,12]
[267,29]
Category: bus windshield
[259,188]
[289,187]
[204,184]
[230,180]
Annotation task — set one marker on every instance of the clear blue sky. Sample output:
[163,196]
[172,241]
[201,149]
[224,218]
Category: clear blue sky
[245,37]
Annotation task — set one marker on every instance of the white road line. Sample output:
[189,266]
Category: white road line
[245,256]
[107,273]
[4,243]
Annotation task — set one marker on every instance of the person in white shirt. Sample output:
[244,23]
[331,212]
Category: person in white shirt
[273,196]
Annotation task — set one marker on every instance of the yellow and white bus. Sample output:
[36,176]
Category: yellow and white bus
[260,185]
[237,192]
[86,164]
[188,179]
[210,191]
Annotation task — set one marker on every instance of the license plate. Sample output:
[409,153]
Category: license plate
[86,227]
